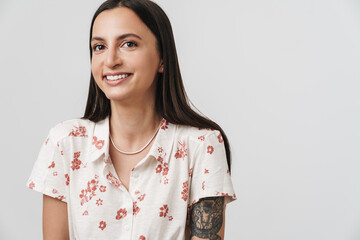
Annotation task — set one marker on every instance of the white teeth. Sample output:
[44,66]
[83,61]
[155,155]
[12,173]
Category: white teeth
[116,77]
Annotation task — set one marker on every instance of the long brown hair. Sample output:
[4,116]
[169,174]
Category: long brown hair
[171,100]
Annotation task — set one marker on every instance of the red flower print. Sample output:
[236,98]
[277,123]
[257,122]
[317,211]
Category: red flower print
[164,210]
[206,171]
[182,151]
[82,131]
[162,167]
[203,185]
[75,164]
[31,185]
[170,218]
[160,159]
[102,188]
[220,138]
[165,171]
[202,138]
[164,124]
[52,165]
[137,192]
[224,194]
[166,181]
[67,179]
[98,143]
[185,191]
[158,168]
[210,149]
[160,149]
[83,193]
[113,180]
[62,153]
[60,197]
[84,197]
[99,202]
[102,225]
[55,191]
[107,160]
[141,197]
[92,185]
[190,172]
[54,173]
[142,237]
[76,154]
[78,132]
[121,213]
[85,213]
[136,209]
[47,140]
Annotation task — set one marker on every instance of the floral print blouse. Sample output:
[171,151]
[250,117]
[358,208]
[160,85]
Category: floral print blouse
[183,165]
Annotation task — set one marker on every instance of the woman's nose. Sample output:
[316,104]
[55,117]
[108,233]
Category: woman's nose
[113,57]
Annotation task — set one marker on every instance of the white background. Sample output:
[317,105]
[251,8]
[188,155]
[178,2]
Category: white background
[280,77]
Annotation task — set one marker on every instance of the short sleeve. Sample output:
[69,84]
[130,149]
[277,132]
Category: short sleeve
[47,175]
[210,174]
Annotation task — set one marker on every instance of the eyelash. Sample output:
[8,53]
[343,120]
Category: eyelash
[94,48]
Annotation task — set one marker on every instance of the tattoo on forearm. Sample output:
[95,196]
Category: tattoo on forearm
[207,218]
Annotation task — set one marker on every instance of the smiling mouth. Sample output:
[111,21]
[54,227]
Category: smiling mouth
[115,80]
[117,77]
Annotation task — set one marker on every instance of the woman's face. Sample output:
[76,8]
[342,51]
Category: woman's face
[123,46]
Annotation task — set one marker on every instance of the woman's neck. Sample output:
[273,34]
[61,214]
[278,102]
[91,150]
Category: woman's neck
[132,127]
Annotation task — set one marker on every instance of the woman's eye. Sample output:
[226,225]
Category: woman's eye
[100,47]
[130,44]
[95,47]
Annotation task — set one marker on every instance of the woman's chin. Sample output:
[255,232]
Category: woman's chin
[117,97]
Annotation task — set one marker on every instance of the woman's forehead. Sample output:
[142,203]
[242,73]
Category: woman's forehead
[119,20]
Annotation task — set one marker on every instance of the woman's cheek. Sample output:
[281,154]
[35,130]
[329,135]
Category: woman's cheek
[95,69]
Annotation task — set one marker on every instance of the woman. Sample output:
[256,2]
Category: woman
[140,163]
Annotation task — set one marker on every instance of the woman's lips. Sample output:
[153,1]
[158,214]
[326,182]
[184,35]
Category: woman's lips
[116,82]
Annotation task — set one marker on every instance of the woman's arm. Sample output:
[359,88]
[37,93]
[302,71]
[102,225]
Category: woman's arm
[55,219]
[207,219]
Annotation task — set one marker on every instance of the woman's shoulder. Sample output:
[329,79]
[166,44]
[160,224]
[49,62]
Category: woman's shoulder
[195,140]
[195,134]
[75,127]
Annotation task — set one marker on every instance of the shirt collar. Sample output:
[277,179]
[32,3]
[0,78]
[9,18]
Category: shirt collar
[162,145]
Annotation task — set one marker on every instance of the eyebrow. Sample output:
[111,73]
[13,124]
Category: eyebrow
[119,37]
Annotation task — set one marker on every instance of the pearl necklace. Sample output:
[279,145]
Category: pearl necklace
[129,153]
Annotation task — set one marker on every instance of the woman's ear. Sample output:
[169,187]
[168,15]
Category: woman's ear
[161,67]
